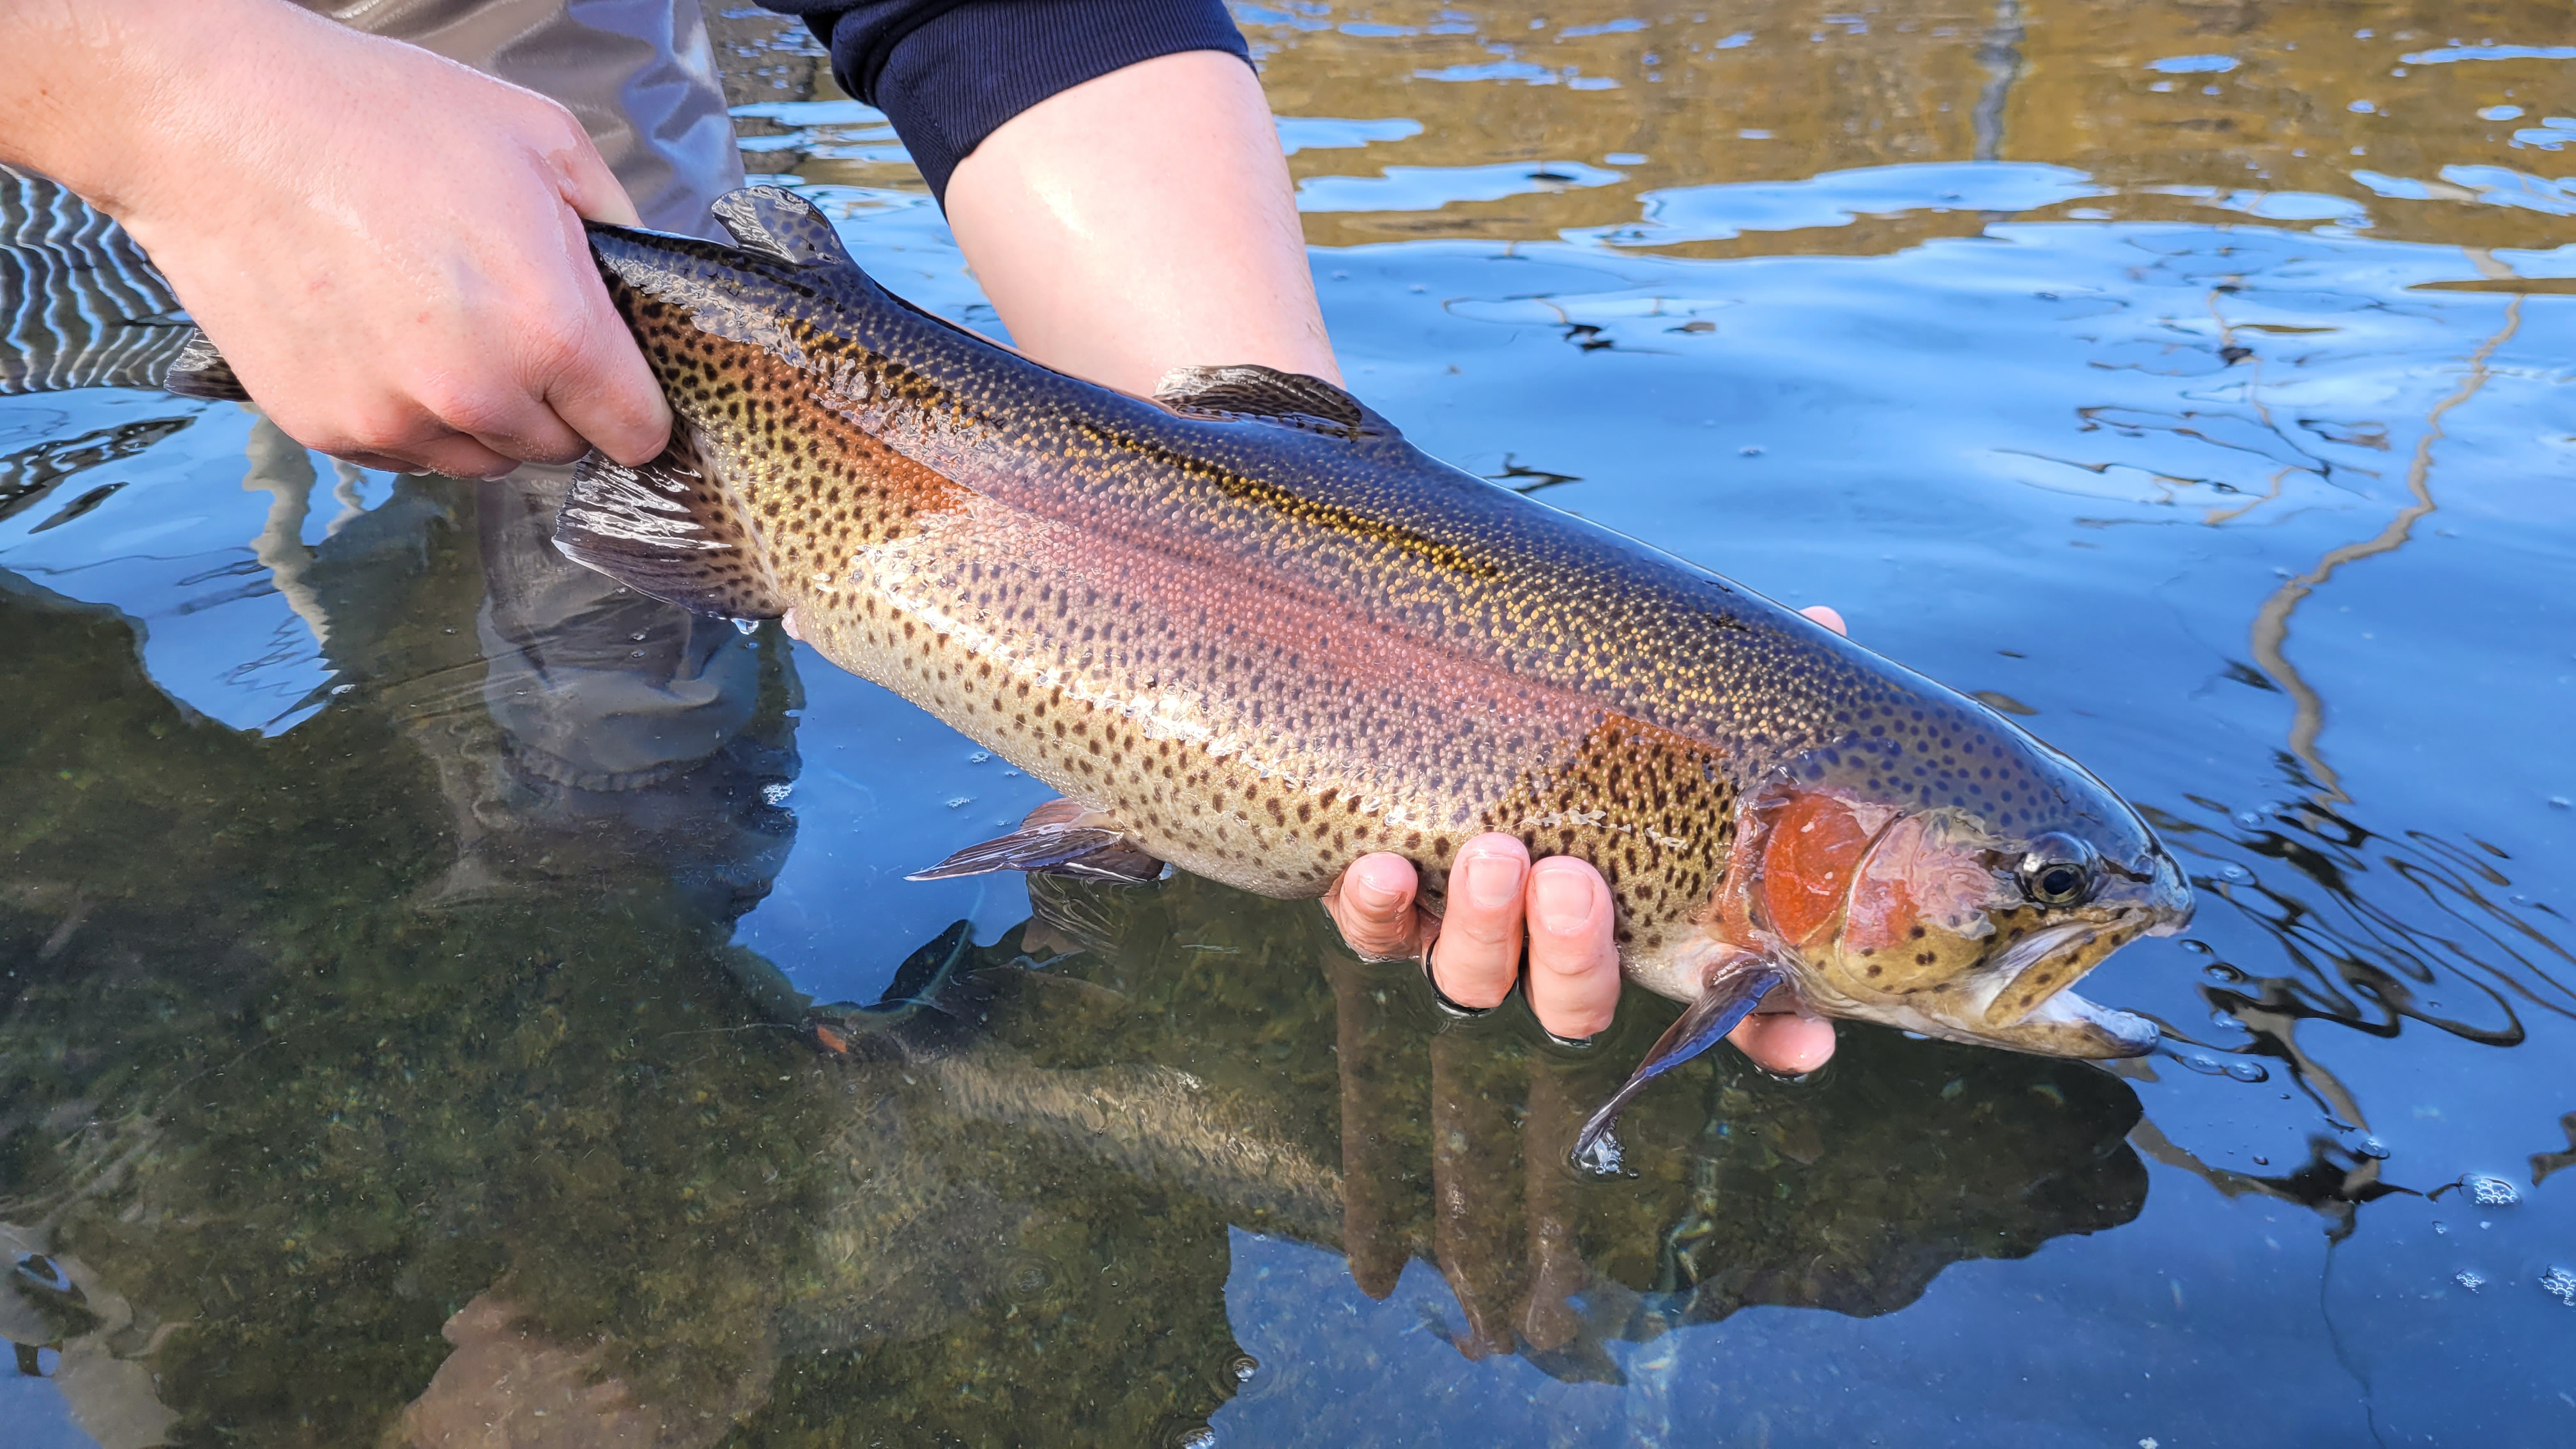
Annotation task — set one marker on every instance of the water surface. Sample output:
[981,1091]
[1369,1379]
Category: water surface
[409,941]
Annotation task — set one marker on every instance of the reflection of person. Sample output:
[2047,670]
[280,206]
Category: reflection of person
[387,247]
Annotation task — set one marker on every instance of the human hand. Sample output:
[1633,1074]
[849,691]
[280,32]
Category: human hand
[386,246]
[1563,908]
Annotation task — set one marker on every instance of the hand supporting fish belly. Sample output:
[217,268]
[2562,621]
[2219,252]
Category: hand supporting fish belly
[1248,629]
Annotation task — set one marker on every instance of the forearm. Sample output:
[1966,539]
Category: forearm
[86,78]
[1144,221]
[1110,168]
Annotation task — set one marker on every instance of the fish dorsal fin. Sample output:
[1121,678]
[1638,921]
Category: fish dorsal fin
[778,223]
[1265,394]
[667,529]
[200,371]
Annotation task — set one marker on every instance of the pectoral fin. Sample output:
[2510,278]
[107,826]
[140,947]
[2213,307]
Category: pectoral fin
[669,529]
[1058,838]
[1729,996]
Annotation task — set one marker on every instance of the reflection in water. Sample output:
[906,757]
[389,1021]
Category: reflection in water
[79,305]
[361,1148]
[2375,929]
[264,1096]
[2271,634]
[383,1060]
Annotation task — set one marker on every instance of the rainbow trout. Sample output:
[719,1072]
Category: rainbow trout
[1246,628]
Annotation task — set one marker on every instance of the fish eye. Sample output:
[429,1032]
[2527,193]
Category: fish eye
[2057,871]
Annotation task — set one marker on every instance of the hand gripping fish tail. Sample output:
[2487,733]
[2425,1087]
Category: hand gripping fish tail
[1246,627]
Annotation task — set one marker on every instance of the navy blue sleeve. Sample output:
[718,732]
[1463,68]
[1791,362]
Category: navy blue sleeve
[948,73]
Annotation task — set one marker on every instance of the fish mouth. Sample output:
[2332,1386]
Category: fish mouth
[2040,945]
[2105,1031]
[2056,1019]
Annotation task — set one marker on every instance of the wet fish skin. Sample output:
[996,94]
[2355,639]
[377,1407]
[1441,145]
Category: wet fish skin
[1265,634]
[1258,631]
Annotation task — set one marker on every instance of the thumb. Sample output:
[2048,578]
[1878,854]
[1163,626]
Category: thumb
[589,187]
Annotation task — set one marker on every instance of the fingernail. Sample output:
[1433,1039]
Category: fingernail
[1561,901]
[1493,881]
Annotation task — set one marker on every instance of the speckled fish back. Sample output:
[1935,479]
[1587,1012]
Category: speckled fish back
[1266,644]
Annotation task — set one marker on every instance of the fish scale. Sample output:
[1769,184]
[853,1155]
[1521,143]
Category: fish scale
[1247,628]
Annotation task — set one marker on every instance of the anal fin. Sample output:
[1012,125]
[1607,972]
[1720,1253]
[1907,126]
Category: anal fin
[1057,838]
[1729,995]
[669,529]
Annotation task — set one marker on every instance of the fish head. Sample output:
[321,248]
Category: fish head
[1962,914]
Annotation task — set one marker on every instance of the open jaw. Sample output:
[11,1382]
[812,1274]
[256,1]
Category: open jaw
[2028,1001]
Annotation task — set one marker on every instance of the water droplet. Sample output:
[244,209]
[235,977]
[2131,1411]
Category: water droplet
[979,757]
[777,791]
[961,802]
[2470,1278]
[2444,1229]
[2371,1147]
[1245,1366]
[2248,819]
[2249,1071]
[2233,871]
[2262,1161]
[2201,1062]
[637,638]
[2556,802]
[2488,1191]
[1750,450]
[2198,948]
[745,626]
[2560,1284]
[1603,1160]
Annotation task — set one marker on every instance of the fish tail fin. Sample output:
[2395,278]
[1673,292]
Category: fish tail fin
[669,529]
[200,371]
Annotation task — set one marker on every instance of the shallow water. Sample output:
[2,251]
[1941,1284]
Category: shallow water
[406,940]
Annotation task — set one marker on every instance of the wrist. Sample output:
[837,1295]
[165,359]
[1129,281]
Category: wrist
[113,98]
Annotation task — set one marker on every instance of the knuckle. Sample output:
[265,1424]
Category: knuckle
[551,124]
[558,346]
[384,431]
[463,407]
